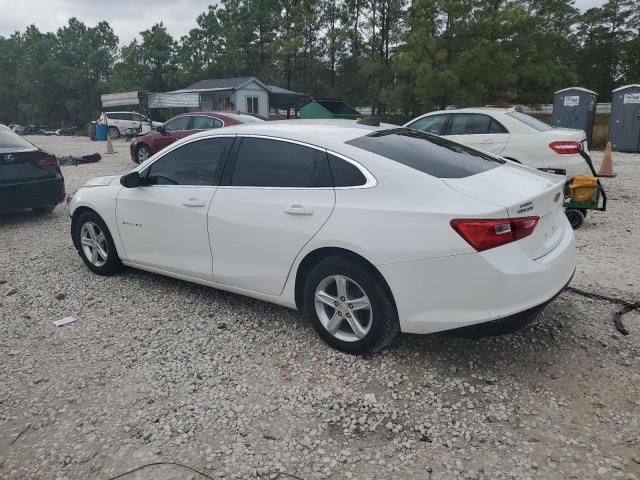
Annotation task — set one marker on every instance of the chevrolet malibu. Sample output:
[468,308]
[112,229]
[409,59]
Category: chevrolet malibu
[369,230]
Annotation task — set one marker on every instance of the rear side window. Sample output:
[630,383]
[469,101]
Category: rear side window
[427,153]
[205,123]
[10,140]
[474,124]
[272,163]
[432,124]
[197,163]
[344,173]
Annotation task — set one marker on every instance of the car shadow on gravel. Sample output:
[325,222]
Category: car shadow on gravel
[24,217]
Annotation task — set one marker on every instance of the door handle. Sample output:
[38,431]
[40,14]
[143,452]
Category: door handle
[298,210]
[193,202]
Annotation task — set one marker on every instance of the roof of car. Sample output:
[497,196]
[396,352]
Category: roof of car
[320,131]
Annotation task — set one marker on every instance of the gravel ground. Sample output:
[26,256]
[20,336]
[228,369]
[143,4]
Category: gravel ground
[159,370]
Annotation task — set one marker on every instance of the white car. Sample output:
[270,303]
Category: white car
[510,134]
[118,122]
[369,230]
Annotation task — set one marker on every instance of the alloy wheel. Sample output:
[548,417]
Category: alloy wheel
[343,308]
[143,154]
[94,244]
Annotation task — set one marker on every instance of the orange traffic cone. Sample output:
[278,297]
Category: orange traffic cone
[606,167]
[110,146]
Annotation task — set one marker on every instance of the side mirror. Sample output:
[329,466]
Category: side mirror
[160,129]
[130,180]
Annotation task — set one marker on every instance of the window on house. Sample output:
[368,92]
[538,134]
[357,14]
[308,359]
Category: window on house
[252,105]
[224,104]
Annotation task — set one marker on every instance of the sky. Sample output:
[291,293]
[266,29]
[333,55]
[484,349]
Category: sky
[126,17]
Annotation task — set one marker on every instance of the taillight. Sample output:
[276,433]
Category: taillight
[484,234]
[48,161]
[565,147]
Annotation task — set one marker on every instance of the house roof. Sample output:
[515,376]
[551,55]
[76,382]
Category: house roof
[222,84]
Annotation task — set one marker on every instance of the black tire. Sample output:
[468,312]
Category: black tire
[112,264]
[584,212]
[575,217]
[384,323]
[114,133]
[140,152]
[43,210]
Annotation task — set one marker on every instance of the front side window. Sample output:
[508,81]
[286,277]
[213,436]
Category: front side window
[252,105]
[433,124]
[273,163]
[427,153]
[197,163]
[205,123]
[180,123]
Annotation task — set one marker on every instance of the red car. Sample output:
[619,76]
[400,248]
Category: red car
[180,126]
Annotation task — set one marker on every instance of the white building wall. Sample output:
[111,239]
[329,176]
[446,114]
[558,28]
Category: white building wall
[253,89]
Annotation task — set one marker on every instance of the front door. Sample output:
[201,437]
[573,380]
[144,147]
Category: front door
[163,224]
[274,197]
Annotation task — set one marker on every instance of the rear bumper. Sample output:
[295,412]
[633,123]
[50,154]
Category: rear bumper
[44,193]
[461,290]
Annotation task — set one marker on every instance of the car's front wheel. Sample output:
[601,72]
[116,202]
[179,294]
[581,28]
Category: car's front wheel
[349,307]
[142,153]
[95,244]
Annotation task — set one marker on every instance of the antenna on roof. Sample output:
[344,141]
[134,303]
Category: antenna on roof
[371,121]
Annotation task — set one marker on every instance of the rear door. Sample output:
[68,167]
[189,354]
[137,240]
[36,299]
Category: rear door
[274,197]
[478,131]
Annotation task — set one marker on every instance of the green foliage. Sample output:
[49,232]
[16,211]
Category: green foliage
[401,57]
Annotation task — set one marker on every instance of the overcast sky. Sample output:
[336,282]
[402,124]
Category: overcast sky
[126,17]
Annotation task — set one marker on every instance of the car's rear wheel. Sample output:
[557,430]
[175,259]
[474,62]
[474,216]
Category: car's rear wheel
[349,307]
[114,132]
[142,153]
[95,244]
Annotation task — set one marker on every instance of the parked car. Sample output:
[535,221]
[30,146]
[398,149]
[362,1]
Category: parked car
[19,129]
[510,134]
[118,122]
[180,126]
[369,230]
[29,176]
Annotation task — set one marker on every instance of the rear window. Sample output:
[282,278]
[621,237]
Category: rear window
[531,121]
[10,140]
[427,153]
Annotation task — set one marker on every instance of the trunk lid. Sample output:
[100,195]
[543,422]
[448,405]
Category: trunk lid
[21,166]
[523,192]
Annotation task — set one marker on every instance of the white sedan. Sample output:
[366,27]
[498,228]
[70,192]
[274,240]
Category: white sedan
[367,229]
[510,134]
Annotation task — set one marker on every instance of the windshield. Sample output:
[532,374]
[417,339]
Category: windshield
[531,121]
[427,153]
